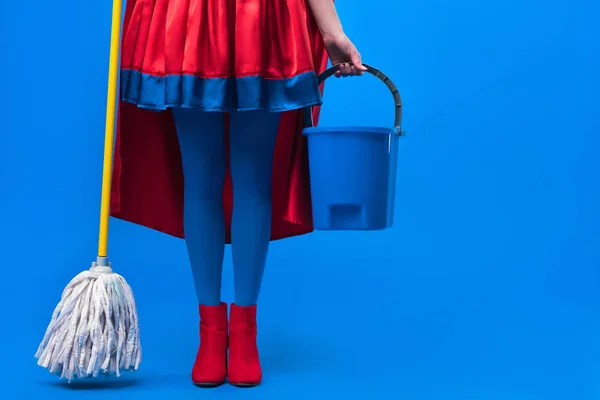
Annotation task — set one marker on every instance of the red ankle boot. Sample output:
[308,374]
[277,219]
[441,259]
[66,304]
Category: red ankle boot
[244,364]
[210,368]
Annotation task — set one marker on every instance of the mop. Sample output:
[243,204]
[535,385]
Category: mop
[94,328]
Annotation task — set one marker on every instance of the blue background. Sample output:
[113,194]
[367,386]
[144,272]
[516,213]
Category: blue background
[486,288]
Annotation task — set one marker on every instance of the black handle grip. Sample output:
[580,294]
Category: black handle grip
[308,119]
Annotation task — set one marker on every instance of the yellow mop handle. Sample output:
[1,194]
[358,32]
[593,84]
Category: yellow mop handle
[111,107]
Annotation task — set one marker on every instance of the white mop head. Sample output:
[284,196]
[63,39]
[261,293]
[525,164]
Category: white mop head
[94,329]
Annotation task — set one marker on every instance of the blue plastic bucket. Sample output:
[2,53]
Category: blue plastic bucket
[353,170]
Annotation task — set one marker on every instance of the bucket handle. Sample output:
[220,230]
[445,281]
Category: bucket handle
[308,116]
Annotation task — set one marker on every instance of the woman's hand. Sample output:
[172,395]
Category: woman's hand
[342,52]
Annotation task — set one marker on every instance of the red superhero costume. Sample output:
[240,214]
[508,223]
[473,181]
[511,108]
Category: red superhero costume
[221,57]
[148,179]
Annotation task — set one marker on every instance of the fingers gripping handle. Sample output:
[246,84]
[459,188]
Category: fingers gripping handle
[383,77]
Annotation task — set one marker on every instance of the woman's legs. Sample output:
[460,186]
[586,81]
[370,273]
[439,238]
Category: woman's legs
[252,144]
[202,141]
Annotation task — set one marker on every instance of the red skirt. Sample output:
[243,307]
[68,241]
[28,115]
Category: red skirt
[220,55]
[213,55]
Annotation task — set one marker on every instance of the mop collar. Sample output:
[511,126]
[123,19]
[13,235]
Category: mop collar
[101,269]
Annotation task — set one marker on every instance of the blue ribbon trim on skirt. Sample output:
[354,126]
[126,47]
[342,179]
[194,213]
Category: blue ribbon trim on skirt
[252,93]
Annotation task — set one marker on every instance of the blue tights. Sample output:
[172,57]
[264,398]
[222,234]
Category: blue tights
[251,144]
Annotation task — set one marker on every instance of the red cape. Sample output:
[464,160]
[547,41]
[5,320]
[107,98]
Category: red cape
[147,185]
